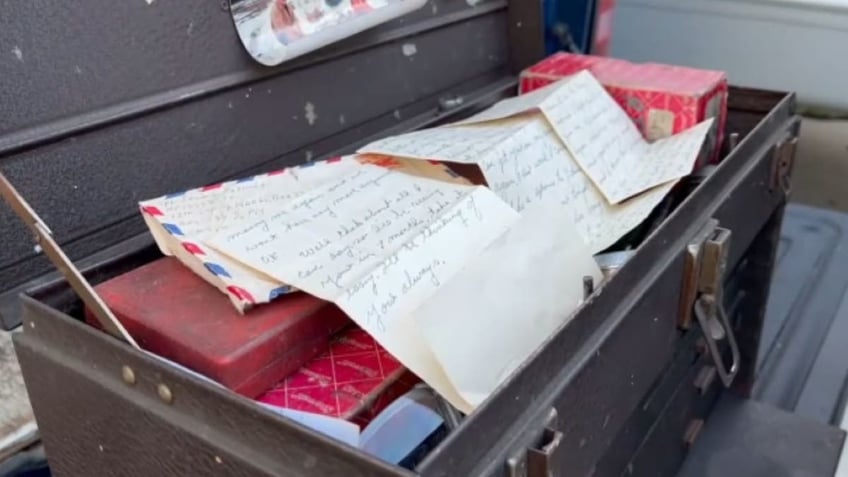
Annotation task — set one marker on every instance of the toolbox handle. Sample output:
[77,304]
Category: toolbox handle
[716,327]
[46,243]
[703,285]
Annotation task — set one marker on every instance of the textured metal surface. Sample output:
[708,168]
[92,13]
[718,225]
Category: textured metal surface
[525,24]
[85,58]
[803,363]
[636,432]
[679,426]
[744,437]
[166,100]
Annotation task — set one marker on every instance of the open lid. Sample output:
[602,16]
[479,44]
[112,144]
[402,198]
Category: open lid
[119,102]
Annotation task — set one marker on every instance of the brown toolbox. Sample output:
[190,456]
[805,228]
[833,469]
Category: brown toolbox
[120,101]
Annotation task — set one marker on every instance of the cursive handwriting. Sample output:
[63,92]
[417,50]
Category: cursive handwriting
[308,272]
[424,263]
[349,227]
[413,277]
[312,250]
[608,146]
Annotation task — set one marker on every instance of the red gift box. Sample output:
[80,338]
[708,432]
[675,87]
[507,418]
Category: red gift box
[661,99]
[354,380]
[172,312]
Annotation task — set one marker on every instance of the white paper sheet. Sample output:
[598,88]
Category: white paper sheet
[602,138]
[525,163]
[506,302]
[377,243]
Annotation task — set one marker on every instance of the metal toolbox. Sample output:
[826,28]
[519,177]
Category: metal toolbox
[164,99]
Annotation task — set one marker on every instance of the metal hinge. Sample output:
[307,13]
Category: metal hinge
[701,296]
[783,158]
[537,460]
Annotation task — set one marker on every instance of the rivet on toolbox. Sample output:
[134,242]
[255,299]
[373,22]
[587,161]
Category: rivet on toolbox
[128,374]
[165,393]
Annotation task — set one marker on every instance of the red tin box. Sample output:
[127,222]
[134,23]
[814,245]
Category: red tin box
[354,379]
[174,313]
[661,99]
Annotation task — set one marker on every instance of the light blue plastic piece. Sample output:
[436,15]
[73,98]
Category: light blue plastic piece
[403,426]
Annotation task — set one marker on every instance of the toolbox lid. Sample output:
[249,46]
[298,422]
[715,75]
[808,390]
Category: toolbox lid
[115,103]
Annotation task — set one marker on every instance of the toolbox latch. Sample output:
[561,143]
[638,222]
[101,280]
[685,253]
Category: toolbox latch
[781,164]
[705,267]
[539,459]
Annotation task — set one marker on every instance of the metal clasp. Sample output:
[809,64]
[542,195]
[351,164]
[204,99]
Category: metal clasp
[706,264]
[781,165]
[538,459]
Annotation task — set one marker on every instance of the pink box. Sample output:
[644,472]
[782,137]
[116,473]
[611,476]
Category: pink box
[661,99]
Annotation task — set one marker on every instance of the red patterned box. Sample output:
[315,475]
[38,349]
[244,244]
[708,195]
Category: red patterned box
[354,379]
[661,99]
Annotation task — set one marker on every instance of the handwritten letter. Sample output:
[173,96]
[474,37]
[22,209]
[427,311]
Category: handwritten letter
[608,146]
[535,168]
[203,213]
[378,244]
[525,163]
[184,221]
[524,286]
[602,138]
